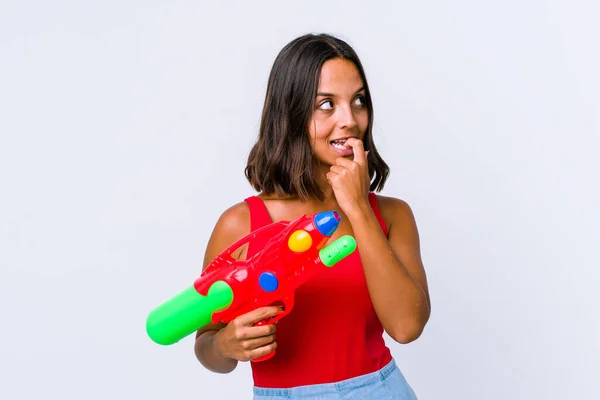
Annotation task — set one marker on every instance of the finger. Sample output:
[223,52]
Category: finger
[253,332]
[262,351]
[258,342]
[259,330]
[344,162]
[257,315]
[332,178]
[337,169]
[358,149]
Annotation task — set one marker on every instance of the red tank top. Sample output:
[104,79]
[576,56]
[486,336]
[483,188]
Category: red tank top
[332,333]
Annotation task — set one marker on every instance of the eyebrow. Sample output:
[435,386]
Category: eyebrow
[333,95]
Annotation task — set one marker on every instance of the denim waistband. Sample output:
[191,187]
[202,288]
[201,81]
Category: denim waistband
[330,388]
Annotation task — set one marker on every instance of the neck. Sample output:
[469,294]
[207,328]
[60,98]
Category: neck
[329,195]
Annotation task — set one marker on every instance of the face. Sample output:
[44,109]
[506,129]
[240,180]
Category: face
[340,111]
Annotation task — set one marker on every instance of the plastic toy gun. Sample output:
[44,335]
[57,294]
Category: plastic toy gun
[228,287]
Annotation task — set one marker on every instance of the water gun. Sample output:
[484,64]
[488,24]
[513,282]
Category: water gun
[227,288]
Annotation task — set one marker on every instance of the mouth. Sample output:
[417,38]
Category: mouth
[341,147]
[339,144]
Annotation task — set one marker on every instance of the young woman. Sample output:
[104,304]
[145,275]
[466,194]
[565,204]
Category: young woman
[315,152]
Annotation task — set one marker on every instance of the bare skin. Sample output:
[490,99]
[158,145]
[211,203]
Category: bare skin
[393,267]
[219,347]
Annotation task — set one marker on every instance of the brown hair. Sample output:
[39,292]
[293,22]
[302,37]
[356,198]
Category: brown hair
[282,159]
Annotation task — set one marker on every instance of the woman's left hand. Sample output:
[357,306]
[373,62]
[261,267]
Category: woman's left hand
[350,179]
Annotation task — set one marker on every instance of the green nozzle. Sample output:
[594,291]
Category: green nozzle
[338,250]
[186,313]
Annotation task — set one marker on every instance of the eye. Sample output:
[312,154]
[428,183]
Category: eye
[323,105]
[360,101]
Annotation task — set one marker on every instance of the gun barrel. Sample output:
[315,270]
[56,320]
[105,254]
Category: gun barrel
[186,312]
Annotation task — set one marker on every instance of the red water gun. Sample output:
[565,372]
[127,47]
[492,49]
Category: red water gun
[228,288]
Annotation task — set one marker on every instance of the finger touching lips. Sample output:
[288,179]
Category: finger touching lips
[358,148]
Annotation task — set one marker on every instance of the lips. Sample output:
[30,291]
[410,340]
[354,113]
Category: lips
[340,146]
[340,142]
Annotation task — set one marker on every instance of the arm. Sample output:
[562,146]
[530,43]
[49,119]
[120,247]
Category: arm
[230,227]
[209,355]
[219,347]
[393,268]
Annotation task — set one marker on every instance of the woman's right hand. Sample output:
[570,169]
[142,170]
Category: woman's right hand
[242,341]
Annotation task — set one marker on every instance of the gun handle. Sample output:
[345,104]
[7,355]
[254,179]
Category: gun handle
[265,357]
[271,354]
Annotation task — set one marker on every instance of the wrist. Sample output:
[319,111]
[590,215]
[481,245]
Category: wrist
[360,213]
[213,357]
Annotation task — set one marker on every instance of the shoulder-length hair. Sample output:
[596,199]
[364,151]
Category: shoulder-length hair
[282,160]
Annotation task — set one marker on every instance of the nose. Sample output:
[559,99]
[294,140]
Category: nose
[346,118]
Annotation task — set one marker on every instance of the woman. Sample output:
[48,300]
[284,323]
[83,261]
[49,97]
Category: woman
[315,152]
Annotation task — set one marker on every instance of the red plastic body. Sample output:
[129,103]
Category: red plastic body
[291,269]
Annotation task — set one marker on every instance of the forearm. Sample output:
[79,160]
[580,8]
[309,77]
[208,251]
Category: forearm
[209,356]
[399,300]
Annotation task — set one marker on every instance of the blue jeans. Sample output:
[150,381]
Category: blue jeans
[386,384]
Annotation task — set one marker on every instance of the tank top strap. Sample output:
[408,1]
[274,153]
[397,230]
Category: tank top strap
[259,217]
[375,206]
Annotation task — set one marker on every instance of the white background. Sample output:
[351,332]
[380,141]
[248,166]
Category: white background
[125,127]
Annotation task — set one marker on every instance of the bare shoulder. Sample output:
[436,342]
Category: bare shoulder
[403,233]
[395,210]
[235,218]
[232,225]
